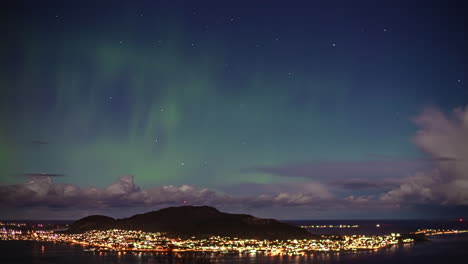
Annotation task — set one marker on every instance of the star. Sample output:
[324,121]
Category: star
[121,42]
[385,30]
[110,97]
[156,140]
[162,109]
[459,81]
[333,44]
[182,164]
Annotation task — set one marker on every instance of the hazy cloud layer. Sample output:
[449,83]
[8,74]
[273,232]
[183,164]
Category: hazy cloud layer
[441,179]
[42,174]
[43,192]
[39,142]
[332,170]
[365,184]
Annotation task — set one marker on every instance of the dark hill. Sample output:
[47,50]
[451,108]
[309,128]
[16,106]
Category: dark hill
[199,221]
[92,222]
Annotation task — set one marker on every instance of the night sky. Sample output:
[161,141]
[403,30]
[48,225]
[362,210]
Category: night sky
[284,109]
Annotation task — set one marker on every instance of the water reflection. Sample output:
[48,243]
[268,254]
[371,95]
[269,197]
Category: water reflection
[63,253]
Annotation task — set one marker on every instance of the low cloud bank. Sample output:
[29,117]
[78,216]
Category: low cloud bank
[124,193]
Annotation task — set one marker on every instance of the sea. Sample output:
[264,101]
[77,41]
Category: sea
[450,248]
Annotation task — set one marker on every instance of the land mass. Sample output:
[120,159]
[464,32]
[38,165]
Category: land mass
[198,221]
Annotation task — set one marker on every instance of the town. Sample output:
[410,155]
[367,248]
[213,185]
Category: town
[125,240]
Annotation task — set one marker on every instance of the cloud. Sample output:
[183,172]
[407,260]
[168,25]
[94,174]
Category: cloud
[365,184]
[332,170]
[445,139]
[41,174]
[439,180]
[39,142]
[319,189]
[122,193]
[309,194]
[124,197]
[43,192]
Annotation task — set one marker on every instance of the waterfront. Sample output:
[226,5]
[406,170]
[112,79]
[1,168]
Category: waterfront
[449,248]
[440,249]
[125,240]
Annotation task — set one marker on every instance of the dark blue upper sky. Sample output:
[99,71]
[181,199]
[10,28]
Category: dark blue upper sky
[283,108]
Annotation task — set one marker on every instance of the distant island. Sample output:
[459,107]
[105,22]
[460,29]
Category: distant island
[190,229]
[198,221]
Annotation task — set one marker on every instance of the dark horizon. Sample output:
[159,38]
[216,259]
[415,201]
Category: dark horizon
[445,219]
[288,220]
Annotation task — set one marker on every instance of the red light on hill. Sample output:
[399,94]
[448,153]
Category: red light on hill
[460,220]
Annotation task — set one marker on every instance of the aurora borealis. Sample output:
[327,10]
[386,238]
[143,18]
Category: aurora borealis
[294,107]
